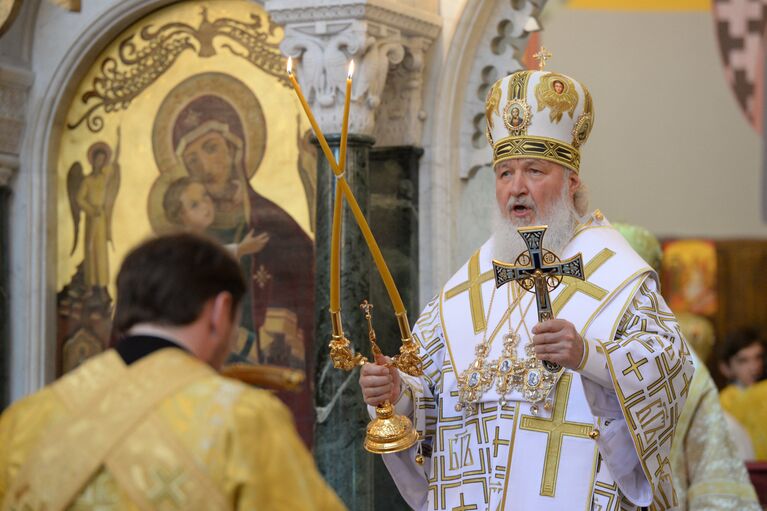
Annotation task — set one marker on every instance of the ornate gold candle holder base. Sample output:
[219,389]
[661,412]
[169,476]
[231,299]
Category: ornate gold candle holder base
[389,433]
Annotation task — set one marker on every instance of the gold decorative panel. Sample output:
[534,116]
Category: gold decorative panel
[186,121]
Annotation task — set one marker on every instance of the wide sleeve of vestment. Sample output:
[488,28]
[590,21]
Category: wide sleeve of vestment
[412,478]
[268,464]
[708,475]
[638,382]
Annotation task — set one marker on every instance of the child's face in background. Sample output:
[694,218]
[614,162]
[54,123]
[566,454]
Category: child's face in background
[747,366]
[197,209]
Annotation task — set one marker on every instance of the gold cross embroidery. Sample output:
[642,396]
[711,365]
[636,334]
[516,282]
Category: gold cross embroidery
[465,507]
[573,286]
[474,287]
[634,366]
[497,441]
[167,486]
[686,388]
[555,428]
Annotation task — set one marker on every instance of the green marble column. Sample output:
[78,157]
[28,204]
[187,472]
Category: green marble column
[385,183]
[5,346]
[393,217]
[340,429]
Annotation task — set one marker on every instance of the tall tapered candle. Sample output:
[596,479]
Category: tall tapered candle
[315,127]
[335,252]
[345,125]
[375,251]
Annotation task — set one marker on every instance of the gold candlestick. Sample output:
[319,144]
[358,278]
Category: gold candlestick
[388,432]
[381,438]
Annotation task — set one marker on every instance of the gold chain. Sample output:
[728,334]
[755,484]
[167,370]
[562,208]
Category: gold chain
[526,375]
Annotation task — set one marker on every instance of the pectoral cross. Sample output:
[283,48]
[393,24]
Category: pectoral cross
[538,271]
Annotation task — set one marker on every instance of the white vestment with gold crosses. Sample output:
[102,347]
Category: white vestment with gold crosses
[604,442]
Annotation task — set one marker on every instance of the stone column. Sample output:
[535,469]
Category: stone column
[6,174]
[387,40]
[341,414]
[15,82]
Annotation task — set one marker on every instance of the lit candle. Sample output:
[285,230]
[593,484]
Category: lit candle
[335,272]
[345,125]
[315,127]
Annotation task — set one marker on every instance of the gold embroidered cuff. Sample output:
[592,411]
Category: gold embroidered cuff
[537,147]
[594,365]
[585,355]
[403,405]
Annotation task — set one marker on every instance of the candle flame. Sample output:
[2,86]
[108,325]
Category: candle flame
[351,70]
[290,65]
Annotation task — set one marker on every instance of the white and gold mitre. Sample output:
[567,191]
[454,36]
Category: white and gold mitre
[539,114]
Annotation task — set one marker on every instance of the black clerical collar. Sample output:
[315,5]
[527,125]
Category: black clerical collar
[135,347]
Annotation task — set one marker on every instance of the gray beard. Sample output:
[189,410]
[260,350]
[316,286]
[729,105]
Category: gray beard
[561,220]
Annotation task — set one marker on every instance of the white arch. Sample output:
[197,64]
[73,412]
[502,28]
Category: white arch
[447,140]
[63,48]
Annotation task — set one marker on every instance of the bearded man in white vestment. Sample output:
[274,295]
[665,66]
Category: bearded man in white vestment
[499,431]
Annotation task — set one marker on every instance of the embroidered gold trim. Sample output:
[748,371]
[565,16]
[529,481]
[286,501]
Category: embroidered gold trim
[492,103]
[517,413]
[585,358]
[543,148]
[474,286]
[573,286]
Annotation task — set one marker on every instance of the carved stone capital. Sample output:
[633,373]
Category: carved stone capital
[14,91]
[6,176]
[8,167]
[387,40]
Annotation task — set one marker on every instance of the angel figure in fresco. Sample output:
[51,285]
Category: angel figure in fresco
[94,195]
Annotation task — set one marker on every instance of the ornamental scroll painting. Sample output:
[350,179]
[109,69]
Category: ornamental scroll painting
[185,123]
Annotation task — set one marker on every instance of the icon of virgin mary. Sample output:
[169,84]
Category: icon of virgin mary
[209,139]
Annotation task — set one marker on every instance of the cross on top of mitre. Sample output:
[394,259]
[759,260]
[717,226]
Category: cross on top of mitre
[542,56]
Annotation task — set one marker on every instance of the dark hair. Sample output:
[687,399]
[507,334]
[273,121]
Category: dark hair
[738,340]
[168,279]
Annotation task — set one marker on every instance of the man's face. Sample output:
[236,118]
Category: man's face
[559,87]
[747,366]
[209,159]
[527,189]
[197,209]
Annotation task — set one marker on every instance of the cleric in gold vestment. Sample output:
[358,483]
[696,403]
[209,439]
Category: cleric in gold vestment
[151,424]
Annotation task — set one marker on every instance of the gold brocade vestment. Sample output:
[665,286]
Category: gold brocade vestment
[166,432]
[708,475]
[749,407]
